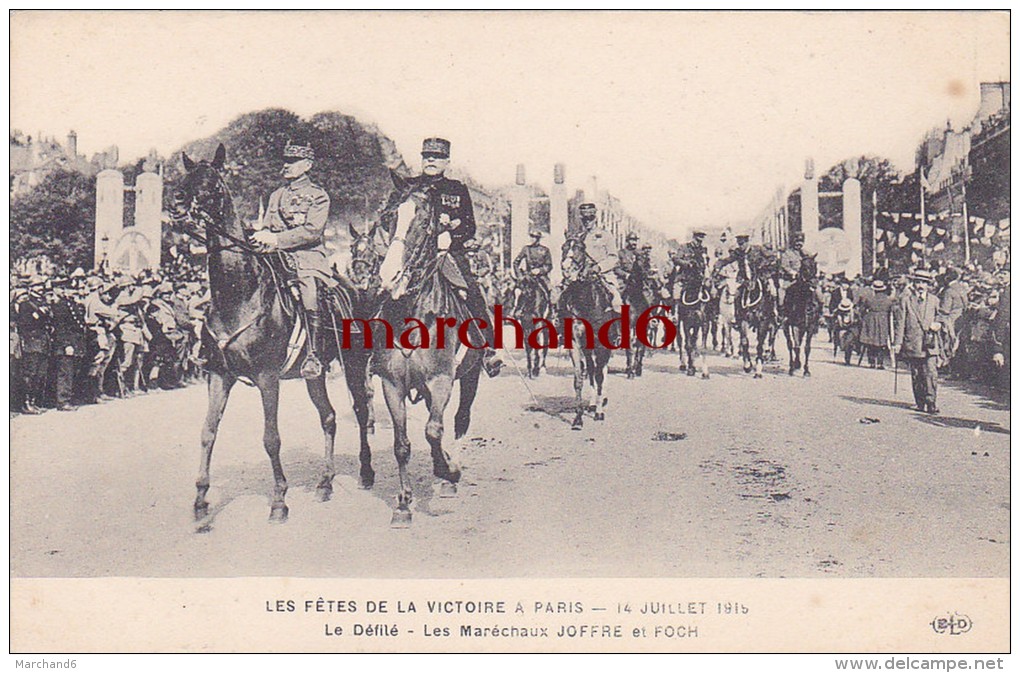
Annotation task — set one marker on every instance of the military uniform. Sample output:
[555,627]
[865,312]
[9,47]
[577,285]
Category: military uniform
[33,321]
[534,261]
[68,345]
[690,262]
[790,261]
[297,214]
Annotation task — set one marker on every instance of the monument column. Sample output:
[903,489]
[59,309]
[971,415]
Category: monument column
[558,213]
[809,207]
[519,215]
[852,224]
[148,215]
[109,212]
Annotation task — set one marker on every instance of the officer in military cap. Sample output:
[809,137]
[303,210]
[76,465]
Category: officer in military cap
[789,264]
[32,316]
[690,261]
[453,216]
[534,261]
[598,243]
[294,224]
[627,257]
[68,340]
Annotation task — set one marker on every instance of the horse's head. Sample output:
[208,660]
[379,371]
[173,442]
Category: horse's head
[368,248]
[202,195]
[574,260]
[809,269]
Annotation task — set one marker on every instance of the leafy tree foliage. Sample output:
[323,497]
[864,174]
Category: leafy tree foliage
[56,219]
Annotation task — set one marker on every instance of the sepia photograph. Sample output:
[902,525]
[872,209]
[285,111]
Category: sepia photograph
[494,331]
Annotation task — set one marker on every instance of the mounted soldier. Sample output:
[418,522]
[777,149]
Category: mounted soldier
[690,262]
[598,244]
[452,225]
[790,261]
[533,263]
[294,224]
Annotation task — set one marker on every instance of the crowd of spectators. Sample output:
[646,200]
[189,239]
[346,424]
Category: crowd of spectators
[86,337]
[974,301]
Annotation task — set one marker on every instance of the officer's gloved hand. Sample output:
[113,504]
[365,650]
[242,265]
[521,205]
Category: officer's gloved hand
[266,240]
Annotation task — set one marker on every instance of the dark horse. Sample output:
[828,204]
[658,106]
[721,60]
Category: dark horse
[585,297]
[423,293]
[639,291]
[692,295]
[248,330]
[802,311]
[532,302]
[755,307]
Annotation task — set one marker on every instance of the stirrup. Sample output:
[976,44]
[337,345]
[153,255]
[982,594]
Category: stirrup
[311,368]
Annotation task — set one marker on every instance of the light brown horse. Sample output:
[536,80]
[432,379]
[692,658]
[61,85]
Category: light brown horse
[422,292]
[248,329]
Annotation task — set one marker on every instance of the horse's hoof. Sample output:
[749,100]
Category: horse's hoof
[704,376]
[279,514]
[747,369]
[757,375]
[807,374]
[691,372]
[792,370]
[201,511]
[324,494]
[447,490]
[401,519]
[577,424]
[450,474]
[599,416]
[367,480]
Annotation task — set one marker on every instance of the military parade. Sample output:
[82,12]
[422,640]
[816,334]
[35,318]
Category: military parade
[300,341]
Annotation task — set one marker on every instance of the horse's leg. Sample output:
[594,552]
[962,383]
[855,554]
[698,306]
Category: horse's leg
[269,385]
[440,389]
[807,351]
[703,355]
[468,389]
[630,363]
[600,364]
[219,393]
[745,345]
[395,396]
[577,359]
[759,362]
[369,402]
[359,383]
[327,419]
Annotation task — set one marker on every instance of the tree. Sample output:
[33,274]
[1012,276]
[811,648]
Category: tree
[351,160]
[56,219]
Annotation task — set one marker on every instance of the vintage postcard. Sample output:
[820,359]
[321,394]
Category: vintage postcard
[510,332]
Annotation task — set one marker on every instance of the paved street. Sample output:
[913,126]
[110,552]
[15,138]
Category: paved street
[730,477]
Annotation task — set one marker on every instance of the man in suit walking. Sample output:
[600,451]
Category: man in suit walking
[916,336]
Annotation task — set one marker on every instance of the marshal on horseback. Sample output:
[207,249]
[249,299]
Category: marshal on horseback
[531,294]
[426,277]
[255,327]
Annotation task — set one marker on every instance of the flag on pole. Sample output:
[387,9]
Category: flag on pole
[903,240]
[924,181]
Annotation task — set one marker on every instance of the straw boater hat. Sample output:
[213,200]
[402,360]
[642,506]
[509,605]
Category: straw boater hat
[879,285]
[922,276]
[845,305]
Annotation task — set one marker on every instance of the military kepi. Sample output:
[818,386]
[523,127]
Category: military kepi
[297,152]
[436,147]
[587,208]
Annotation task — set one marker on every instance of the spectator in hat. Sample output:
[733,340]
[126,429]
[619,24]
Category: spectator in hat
[876,308]
[295,224]
[953,303]
[916,328]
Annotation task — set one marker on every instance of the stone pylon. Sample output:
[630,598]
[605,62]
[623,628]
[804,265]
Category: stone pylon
[558,218]
[109,213]
[519,214]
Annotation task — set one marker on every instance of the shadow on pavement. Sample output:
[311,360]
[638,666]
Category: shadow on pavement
[937,421]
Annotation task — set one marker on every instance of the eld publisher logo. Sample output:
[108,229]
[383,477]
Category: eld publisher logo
[954,624]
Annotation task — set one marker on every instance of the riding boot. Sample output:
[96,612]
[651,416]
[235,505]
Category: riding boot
[312,366]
